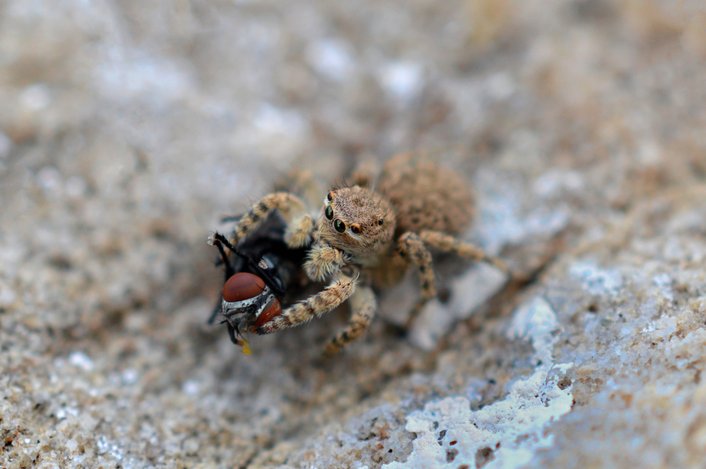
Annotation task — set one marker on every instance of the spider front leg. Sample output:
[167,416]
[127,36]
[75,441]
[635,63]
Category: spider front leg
[363,306]
[411,248]
[300,225]
[303,183]
[323,261]
[446,243]
[337,292]
[299,231]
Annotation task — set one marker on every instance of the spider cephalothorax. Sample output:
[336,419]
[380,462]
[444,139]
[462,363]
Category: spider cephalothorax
[358,222]
[366,237]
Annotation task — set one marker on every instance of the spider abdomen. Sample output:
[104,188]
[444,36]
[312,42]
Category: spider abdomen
[426,196]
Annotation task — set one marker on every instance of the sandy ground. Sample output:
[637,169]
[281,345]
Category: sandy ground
[127,129]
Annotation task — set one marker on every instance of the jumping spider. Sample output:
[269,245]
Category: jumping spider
[366,237]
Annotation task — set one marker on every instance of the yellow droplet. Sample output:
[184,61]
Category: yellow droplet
[246,347]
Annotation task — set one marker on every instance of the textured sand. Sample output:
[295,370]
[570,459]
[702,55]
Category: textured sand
[128,128]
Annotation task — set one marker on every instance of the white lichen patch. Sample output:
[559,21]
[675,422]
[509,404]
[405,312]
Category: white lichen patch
[597,280]
[506,433]
[80,360]
[665,284]
[402,80]
[468,291]
[505,218]
[330,58]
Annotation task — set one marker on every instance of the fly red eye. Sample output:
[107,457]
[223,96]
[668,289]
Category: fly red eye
[242,286]
[272,310]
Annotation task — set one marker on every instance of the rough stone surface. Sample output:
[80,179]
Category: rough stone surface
[128,128]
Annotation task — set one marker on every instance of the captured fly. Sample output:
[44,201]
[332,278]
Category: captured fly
[259,275]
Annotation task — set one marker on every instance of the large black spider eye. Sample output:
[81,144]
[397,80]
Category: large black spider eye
[339,226]
[329,212]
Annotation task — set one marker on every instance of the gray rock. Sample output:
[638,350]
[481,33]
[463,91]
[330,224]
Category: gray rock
[127,129]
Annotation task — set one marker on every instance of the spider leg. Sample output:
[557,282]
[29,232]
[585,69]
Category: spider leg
[411,247]
[299,231]
[292,209]
[303,183]
[363,306]
[337,292]
[446,243]
[322,261]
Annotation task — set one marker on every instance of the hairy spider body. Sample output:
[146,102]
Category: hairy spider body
[426,196]
[367,237]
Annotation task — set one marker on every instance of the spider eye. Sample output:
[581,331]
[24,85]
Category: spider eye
[330,196]
[355,228]
[329,212]
[381,221]
[339,226]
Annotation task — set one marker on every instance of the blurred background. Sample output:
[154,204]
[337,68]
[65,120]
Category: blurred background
[128,128]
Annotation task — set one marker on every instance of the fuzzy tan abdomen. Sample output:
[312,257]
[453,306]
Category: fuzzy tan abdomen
[426,196]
